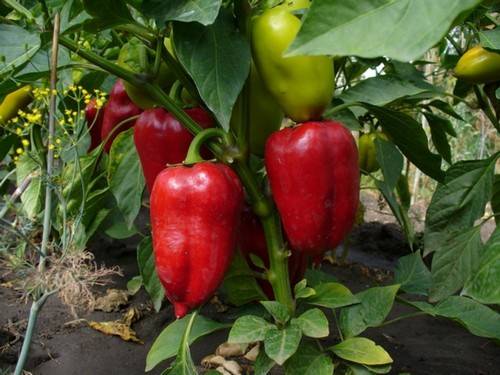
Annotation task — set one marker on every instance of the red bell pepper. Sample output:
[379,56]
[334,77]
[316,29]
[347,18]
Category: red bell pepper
[195,212]
[117,111]
[252,240]
[93,115]
[160,139]
[314,176]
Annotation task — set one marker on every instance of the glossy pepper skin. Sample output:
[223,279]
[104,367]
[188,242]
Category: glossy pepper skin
[252,240]
[314,177]
[368,152]
[195,213]
[160,139]
[478,65]
[118,109]
[264,113]
[133,56]
[302,85]
[13,102]
[94,116]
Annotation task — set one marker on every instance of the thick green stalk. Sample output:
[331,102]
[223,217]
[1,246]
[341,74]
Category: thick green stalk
[193,154]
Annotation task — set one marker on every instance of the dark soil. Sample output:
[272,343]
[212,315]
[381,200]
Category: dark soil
[422,345]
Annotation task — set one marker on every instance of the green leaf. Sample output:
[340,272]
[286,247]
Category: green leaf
[278,311]
[480,320]
[495,198]
[490,39]
[346,117]
[134,284]
[483,284]
[308,360]
[147,269]
[202,11]
[376,303]
[183,364]
[454,263]
[332,295]
[263,364]
[18,46]
[410,138]
[361,350]
[386,89]
[368,28]
[125,176]
[168,342]
[390,160]
[249,328]
[240,286]
[281,344]
[218,59]
[412,274]
[448,109]
[6,144]
[31,198]
[438,135]
[301,290]
[313,323]
[459,201]
[369,370]
[114,12]
[316,277]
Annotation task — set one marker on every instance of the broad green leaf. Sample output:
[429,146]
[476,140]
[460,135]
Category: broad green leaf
[495,198]
[125,176]
[115,12]
[301,290]
[445,107]
[31,198]
[454,263]
[316,277]
[6,144]
[263,364]
[18,46]
[218,59]
[168,342]
[376,303]
[412,274]
[346,117]
[332,295]
[134,284]
[438,135]
[480,320]
[278,311]
[239,286]
[147,269]
[281,344]
[372,28]
[459,201]
[410,138]
[484,284]
[490,38]
[313,323]
[183,364]
[361,350]
[390,160]
[383,90]
[308,360]
[369,370]
[249,328]
[202,11]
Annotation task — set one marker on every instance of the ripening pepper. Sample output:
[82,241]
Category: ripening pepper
[368,152]
[195,212]
[13,102]
[479,65]
[252,240]
[94,116]
[134,56]
[264,113]
[160,139]
[314,177]
[118,113]
[302,85]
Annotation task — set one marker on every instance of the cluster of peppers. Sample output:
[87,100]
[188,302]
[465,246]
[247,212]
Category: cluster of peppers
[198,213]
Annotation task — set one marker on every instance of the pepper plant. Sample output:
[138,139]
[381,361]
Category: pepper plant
[229,72]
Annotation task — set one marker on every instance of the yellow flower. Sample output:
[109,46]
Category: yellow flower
[15,120]
[62,122]
[16,158]
[25,142]
[19,151]
[58,141]
[51,146]
[19,131]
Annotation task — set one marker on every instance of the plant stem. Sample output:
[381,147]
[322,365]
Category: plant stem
[38,303]
[193,154]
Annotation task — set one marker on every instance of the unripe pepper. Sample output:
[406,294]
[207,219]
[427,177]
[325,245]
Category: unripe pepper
[252,240]
[478,65]
[134,57]
[117,112]
[160,139]
[195,212]
[368,152]
[314,177]
[302,85]
[264,113]
[13,102]
[94,116]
